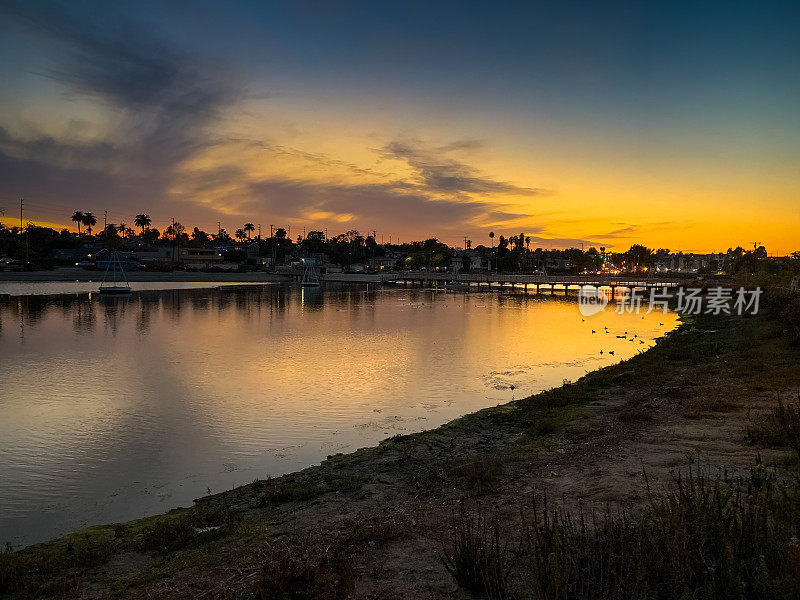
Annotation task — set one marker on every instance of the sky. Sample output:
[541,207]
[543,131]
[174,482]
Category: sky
[672,124]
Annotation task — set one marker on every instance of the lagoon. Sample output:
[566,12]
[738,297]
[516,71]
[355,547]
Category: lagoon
[117,408]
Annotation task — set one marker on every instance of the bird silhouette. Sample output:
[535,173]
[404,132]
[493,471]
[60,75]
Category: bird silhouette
[611,352]
[593,331]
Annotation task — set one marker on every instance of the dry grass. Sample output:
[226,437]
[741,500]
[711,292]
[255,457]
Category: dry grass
[477,556]
[299,569]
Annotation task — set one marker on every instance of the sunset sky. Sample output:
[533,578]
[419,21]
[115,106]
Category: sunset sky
[673,124]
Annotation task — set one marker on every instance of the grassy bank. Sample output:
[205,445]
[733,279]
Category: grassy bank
[385,521]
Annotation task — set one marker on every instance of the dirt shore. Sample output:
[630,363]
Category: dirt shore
[389,510]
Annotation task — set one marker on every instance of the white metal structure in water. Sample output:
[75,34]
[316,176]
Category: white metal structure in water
[115,286]
[310,278]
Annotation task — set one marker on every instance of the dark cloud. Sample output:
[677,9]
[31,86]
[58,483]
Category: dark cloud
[438,172]
[163,101]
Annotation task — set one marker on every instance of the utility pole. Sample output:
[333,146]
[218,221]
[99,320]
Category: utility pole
[21,202]
[259,231]
[219,228]
[105,220]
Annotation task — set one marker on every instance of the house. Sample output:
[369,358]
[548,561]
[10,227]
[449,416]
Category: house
[198,258]
[557,264]
[380,263]
[473,260]
[251,250]
[680,262]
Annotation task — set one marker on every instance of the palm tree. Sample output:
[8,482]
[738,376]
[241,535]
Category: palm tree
[528,242]
[491,237]
[240,235]
[121,228]
[77,217]
[143,221]
[249,227]
[89,220]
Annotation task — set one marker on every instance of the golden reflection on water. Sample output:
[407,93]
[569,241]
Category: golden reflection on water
[115,408]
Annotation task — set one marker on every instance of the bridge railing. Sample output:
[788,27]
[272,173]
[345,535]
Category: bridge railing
[523,278]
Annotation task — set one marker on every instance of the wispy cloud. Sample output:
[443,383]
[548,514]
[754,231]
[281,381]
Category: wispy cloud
[439,172]
[164,102]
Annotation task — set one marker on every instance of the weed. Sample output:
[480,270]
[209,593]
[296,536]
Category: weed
[779,428]
[543,427]
[707,537]
[300,570]
[477,558]
[481,475]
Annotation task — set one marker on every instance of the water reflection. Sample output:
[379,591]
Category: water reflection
[116,407]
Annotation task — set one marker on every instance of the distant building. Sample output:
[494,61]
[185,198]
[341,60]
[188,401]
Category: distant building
[251,249]
[198,258]
[474,262]
[380,263]
[680,262]
[558,264]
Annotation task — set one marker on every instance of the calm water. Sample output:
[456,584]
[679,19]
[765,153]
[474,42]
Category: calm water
[111,409]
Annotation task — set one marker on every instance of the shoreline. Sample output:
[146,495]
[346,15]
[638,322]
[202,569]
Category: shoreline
[583,443]
[72,274]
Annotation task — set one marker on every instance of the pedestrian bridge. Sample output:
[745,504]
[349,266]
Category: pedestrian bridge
[539,282]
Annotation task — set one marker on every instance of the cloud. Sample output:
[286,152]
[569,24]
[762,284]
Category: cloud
[166,150]
[438,172]
[164,102]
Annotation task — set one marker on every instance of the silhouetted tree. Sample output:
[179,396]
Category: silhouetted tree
[89,221]
[77,217]
[143,221]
